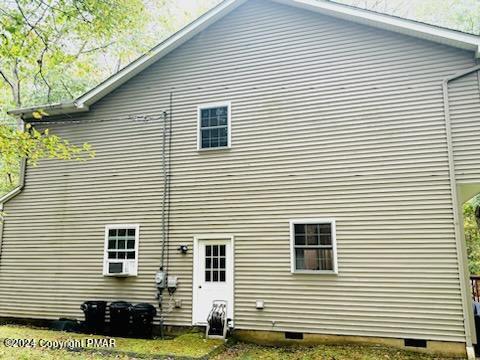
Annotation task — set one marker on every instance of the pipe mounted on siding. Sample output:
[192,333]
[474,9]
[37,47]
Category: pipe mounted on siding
[10,195]
[21,180]
[460,246]
[14,192]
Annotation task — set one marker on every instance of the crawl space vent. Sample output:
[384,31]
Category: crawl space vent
[293,336]
[415,343]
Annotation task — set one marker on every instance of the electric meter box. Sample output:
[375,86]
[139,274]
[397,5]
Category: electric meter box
[161,279]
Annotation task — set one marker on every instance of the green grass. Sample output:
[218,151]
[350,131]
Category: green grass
[243,351]
[42,354]
[185,345]
[192,345]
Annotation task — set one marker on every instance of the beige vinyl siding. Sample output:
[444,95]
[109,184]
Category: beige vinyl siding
[329,120]
[464,98]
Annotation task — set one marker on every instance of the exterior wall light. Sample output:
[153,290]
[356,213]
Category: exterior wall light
[183,249]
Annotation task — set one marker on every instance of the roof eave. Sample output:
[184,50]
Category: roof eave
[159,51]
[114,81]
[50,109]
[382,21]
[386,22]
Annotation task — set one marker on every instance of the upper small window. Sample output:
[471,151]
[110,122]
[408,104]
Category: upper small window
[313,245]
[214,126]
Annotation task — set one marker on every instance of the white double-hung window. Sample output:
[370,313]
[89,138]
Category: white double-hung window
[214,130]
[121,250]
[313,246]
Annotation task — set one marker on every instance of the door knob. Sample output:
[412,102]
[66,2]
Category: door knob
[199,286]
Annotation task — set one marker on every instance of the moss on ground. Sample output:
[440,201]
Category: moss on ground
[186,345]
[192,345]
[243,351]
[43,354]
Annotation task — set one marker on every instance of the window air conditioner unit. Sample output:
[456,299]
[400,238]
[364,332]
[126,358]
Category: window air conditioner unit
[120,268]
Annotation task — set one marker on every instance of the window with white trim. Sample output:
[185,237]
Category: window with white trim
[313,245]
[121,250]
[214,126]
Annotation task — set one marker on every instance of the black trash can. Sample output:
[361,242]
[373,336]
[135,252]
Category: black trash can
[119,318]
[142,320]
[94,316]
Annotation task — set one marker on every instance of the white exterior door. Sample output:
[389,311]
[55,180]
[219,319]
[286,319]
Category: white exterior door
[213,276]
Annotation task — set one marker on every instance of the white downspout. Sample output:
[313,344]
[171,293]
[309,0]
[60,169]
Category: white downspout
[13,193]
[460,246]
[10,195]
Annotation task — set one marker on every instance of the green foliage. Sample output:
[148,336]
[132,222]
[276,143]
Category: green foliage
[472,235]
[461,15]
[45,42]
[33,145]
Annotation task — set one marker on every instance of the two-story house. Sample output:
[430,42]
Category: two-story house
[310,157]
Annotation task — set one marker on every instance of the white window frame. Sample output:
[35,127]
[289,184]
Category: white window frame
[228,104]
[332,223]
[134,262]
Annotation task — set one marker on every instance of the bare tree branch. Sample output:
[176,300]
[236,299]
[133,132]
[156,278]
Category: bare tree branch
[42,75]
[67,89]
[54,8]
[4,76]
[102,47]
[18,97]
[75,3]
[32,27]
[13,88]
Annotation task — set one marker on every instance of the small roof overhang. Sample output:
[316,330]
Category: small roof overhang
[51,109]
